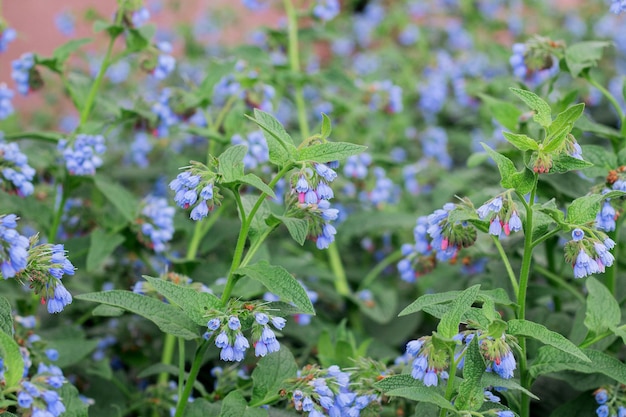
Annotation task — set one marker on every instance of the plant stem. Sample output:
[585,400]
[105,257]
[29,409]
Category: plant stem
[521,294]
[51,137]
[246,221]
[606,94]
[86,111]
[507,264]
[56,221]
[380,267]
[166,356]
[341,280]
[294,64]
[181,366]
[611,273]
[450,385]
[552,277]
[193,374]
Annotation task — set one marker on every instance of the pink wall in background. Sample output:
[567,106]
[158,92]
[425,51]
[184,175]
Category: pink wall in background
[34,21]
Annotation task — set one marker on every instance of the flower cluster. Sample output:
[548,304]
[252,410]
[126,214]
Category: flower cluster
[231,340]
[329,393]
[13,247]
[6,107]
[140,148]
[47,263]
[617,7]
[165,63]
[192,189]
[15,174]
[156,222]
[258,152]
[589,254]
[430,364]
[140,17]
[533,62]
[22,69]
[356,166]
[166,117]
[7,35]
[38,395]
[82,156]
[326,10]
[436,239]
[311,188]
[611,401]
[501,212]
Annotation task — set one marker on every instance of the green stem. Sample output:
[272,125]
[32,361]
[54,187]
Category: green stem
[246,221]
[521,294]
[341,280]
[380,267]
[450,385]
[254,246]
[507,264]
[51,137]
[294,64]
[166,356]
[552,277]
[200,230]
[56,221]
[545,237]
[193,374]
[586,343]
[181,366]
[91,97]
[606,94]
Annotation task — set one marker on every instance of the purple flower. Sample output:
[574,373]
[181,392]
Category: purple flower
[6,107]
[577,235]
[60,298]
[82,156]
[326,10]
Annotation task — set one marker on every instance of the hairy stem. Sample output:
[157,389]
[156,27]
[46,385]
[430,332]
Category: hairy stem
[521,294]
[193,374]
[380,267]
[507,264]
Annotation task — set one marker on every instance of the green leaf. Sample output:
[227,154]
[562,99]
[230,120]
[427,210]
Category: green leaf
[74,406]
[563,163]
[490,379]
[406,386]
[168,318]
[6,318]
[551,360]
[112,29]
[101,246]
[510,178]
[64,51]
[280,282]
[195,304]
[13,362]
[584,209]
[329,151]
[120,197]
[471,395]
[298,228]
[550,209]
[566,118]
[271,374]
[583,55]
[104,310]
[603,312]
[235,405]
[602,159]
[449,324]
[543,114]
[544,335]
[326,126]
[202,408]
[555,141]
[280,144]
[231,163]
[258,224]
[504,112]
[521,142]
[587,125]
[72,349]
[258,183]
[498,295]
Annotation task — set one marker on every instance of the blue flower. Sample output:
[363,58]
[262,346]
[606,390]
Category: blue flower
[20,73]
[60,298]
[82,155]
[15,175]
[326,10]
[7,35]
[13,247]
[601,396]
[577,235]
[603,411]
[6,107]
[158,222]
